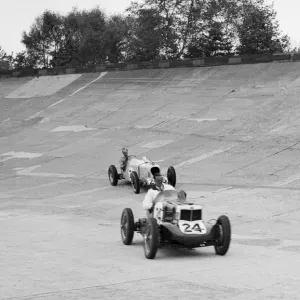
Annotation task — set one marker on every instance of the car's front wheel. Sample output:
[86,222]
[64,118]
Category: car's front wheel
[113,175]
[151,238]
[127,226]
[171,175]
[135,181]
[223,237]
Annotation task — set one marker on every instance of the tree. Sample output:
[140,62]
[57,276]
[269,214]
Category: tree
[295,50]
[163,29]
[44,38]
[53,29]
[2,53]
[150,30]
[212,43]
[116,34]
[78,38]
[69,51]
[190,24]
[5,60]
[145,35]
[23,60]
[92,26]
[188,27]
[258,29]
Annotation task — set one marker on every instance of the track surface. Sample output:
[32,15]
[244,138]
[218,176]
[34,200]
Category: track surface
[232,133]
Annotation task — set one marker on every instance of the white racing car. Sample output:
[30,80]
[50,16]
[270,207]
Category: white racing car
[139,172]
[178,223]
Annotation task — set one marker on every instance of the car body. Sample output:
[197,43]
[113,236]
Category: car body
[139,172]
[176,222]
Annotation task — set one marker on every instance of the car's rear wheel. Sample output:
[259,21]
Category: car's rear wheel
[171,175]
[135,181]
[127,226]
[113,175]
[223,237]
[151,238]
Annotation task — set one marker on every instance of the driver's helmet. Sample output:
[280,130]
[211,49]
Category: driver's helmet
[182,196]
[125,151]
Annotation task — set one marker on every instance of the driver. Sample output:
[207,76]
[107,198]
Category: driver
[153,192]
[123,160]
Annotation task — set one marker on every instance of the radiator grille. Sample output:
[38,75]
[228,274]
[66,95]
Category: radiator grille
[185,215]
[191,215]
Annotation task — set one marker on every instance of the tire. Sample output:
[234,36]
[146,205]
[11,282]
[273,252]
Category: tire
[171,175]
[223,235]
[135,181]
[113,175]
[151,238]
[127,226]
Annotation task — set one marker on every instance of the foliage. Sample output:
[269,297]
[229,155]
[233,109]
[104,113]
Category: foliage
[23,60]
[2,53]
[79,38]
[145,35]
[116,32]
[258,30]
[5,60]
[152,30]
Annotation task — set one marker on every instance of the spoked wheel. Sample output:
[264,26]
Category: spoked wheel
[135,181]
[151,238]
[113,175]
[127,226]
[223,235]
[171,175]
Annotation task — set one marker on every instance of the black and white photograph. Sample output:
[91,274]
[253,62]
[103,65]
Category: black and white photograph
[150,149]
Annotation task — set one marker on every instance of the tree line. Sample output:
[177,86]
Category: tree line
[150,30]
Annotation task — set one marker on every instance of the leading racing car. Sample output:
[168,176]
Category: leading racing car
[176,222]
[139,172]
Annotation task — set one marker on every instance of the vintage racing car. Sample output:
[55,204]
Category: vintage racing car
[178,223]
[139,172]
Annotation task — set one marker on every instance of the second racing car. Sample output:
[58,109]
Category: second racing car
[139,171]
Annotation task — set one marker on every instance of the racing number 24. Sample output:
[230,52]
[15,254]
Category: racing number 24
[188,228]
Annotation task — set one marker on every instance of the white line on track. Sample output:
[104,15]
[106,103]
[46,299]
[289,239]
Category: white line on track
[157,144]
[40,186]
[75,128]
[28,172]
[29,155]
[203,120]
[79,193]
[60,101]
[6,120]
[202,157]
[5,159]
[13,154]
[223,189]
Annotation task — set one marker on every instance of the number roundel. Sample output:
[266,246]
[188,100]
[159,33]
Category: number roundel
[188,228]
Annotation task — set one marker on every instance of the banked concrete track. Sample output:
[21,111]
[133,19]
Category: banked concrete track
[232,133]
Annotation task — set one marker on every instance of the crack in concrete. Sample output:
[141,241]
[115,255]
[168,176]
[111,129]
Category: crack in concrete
[241,186]
[271,155]
[280,170]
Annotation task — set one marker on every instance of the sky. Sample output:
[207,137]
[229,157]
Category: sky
[17,16]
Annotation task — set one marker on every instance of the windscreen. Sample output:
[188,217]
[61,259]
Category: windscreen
[169,195]
[137,159]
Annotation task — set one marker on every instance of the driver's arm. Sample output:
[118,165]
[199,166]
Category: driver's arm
[122,162]
[148,200]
